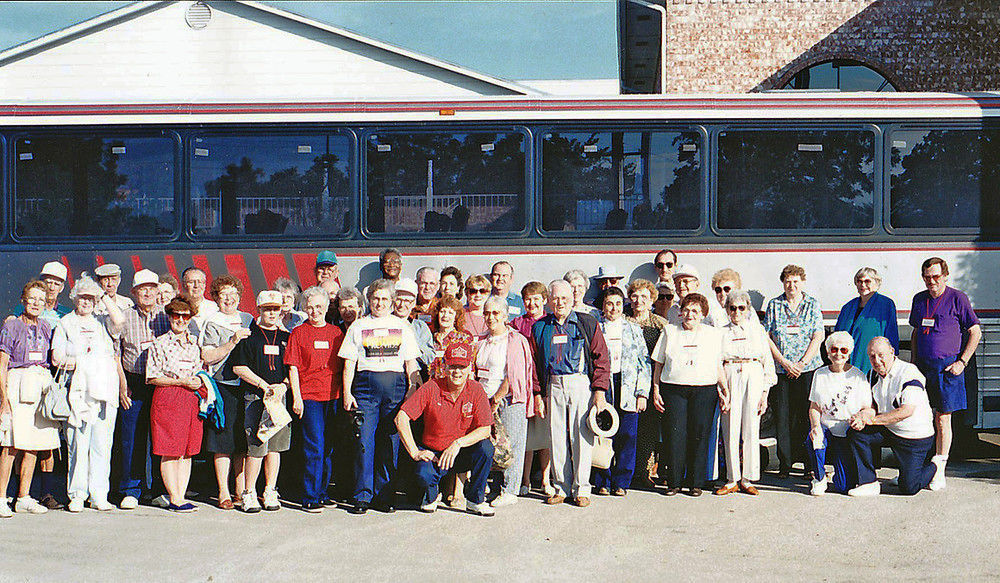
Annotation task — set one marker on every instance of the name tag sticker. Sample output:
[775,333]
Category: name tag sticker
[321,345]
[514,310]
[271,349]
[145,345]
[381,332]
[36,356]
[439,354]
[559,339]
[793,329]
[927,322]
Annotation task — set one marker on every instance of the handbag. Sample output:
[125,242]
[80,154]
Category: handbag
[503,453]
[55,399]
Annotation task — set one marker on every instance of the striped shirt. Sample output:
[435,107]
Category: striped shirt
[137,335]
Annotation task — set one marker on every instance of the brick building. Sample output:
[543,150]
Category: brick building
[735,46]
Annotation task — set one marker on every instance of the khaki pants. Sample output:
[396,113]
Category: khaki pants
[572,439]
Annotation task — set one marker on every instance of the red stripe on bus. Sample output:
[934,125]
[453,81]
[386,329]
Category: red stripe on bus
[238,268]
[171,267]
[136,263]
[305,267]
[274,266]
[99,260]
[69,272]
[201,262]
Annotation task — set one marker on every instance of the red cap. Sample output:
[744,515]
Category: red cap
[458,353]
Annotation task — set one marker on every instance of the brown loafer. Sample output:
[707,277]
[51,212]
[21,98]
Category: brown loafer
[226,504]
[619,492]
[695,492]
[727,489]
[602,492]
[553,500]
[671,491]
[749,489]
[581,501]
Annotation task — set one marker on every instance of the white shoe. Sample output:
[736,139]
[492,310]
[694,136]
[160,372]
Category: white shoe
[250,503]
[869,489]
[503,499]
[271,500]
[102,505]
[161,501]
[818,487]
[30,505]
[429,507]
[549,491]
[5,511]
[481,509]
[75,505]
[129,503]
[525,491]
[937,482]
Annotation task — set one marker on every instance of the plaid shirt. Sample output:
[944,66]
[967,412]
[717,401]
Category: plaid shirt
[175,356]
[137,336]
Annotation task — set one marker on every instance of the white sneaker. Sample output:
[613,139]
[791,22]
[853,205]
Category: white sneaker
[481,509]
[818,487]
[161,501]
[271,500]
[525,491]
[102,505]
[30,505]
[129,503]
[75,505]
[937,482]
[429,507]
[5,511]
[504,499]
[250,503]
[869,489]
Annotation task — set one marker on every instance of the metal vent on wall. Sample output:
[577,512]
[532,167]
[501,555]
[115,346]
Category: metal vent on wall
[197,15]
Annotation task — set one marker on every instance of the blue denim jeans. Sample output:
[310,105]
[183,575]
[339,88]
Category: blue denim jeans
[477,459]
[318,439]
[379,395]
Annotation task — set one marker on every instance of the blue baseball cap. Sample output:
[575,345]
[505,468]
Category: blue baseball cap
[326,258]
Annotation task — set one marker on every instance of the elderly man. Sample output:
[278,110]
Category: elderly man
[109,277]
[941,316]
[688,280]
[194,282]
[53,275]
[402,307]
[608,276]
[900,419]
[457,423]
[327,273]
[664,263]
[428,283]
[502,277]
[572,372]
[390,262]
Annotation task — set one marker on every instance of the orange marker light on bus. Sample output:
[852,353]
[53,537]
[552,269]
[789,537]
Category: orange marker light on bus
[446,112]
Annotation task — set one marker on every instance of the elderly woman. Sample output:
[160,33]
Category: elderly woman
[451,282]
[167,289]
[380,364]
[24,372]
[727,280]
[578,280]
[794,324]
[664,300]
[176,430]
[630,383]
[687,280]
[223,332]
[838,392]
[643,295]
[315,374]
[534,294]
[289,290]
[749,370]
[868,316]
[477,289]
[349,304]
[504,367]
[688,364]
[82,345]
[448,327]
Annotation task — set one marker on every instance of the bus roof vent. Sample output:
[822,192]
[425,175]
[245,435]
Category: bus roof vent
[197,15]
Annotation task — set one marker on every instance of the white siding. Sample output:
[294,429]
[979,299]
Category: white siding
[242,55]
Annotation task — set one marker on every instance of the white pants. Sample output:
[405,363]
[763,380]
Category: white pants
[90,452]
[746,386]
[572,439]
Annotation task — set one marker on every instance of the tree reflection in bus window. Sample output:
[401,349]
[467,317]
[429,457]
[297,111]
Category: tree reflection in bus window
[621,181]
[796,180]
[945,179]
[295,185]
[94,186]
[445,182]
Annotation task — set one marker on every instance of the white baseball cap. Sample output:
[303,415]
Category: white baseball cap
[54,269]
[686,270]
[406,285]
[269,297]
[144,277]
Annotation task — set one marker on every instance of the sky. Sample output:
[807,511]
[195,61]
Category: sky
[511,39]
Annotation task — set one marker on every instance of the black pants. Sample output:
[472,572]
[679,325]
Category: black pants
[789,403]
[687,425]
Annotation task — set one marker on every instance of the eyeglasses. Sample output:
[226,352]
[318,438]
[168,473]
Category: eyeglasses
[737,308]
[840,349]
[181,316]
[664,264]
[720,289]
[477,290]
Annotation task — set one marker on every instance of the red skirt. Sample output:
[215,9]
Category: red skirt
[174,423]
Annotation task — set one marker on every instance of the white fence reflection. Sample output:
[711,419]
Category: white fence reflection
[407,212]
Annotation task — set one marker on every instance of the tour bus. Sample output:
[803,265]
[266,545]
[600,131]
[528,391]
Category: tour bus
[829,181]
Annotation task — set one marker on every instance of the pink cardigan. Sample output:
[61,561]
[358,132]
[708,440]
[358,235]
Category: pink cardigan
[520,369]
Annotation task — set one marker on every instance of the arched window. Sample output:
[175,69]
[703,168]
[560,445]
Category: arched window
[840,75]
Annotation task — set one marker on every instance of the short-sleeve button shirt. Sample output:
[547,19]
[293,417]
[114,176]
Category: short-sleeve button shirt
[175,356]
[792,330]
[445,420]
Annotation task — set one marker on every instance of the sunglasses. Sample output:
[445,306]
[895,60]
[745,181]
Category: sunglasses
[721,289]
[178,315]
[664,264]
[840,349]
[737,308]
[476,291]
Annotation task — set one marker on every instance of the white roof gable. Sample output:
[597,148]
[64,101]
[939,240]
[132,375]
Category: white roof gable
[146,52]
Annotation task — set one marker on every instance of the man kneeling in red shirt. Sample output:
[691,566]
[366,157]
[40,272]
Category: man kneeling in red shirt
[457,422]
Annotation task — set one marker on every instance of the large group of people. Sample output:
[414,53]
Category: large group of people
[442,389]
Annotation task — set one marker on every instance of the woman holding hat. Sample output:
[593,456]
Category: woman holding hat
[259,361]
[83,346]
[24,372]
[630,382]
[176,431]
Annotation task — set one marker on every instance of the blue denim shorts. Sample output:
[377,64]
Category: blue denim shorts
[945,391]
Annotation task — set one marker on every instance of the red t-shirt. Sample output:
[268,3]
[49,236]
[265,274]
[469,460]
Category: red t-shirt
[313,351]
[446,420]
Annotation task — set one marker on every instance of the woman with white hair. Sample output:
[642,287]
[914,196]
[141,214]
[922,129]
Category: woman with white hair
[579,281]
[838,392]
[291,317]
[82,346]
[749,369]
[868,316]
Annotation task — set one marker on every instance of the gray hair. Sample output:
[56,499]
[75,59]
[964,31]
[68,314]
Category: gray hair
[315,291]
[85,286]
[840,338]
[736,296]
[423,270]
[575,274]
[346,293]
[497,302]
[382,284]
[285,285]
[559,283]
[870,272]
[882,342]
[387,252]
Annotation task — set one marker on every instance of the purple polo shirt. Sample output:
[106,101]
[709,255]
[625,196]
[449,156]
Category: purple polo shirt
[952,313]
